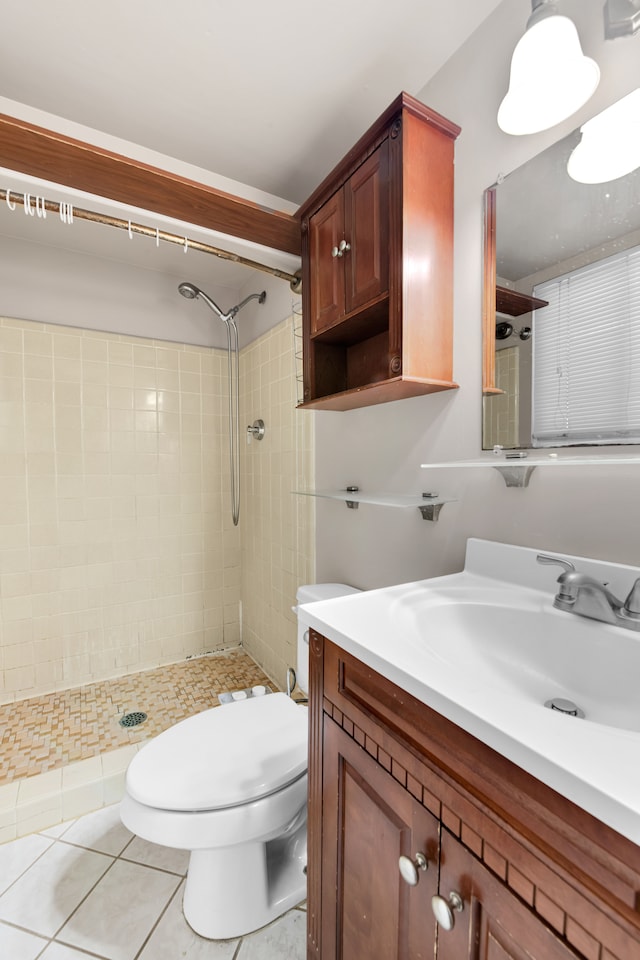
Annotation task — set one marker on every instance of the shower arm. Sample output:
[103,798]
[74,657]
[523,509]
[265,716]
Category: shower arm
[191,292]
[260,297]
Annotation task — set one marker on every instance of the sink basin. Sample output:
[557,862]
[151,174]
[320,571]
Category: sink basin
[529,647]
[486,649]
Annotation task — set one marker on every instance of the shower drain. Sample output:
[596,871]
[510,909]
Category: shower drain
[133,719]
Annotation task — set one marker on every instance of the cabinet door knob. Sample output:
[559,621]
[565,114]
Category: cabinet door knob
[443,909]
[409,868]
[339,251]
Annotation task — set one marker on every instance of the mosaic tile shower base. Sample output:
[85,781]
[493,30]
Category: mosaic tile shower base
[47,732]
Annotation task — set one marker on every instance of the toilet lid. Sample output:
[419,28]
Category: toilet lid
[223,757]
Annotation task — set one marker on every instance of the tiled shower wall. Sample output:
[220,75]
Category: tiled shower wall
[117,552]
[278,546]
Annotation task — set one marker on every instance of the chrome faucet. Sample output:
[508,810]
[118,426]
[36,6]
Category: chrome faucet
[583,595]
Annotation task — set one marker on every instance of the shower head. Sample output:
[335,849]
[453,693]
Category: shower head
[189,291]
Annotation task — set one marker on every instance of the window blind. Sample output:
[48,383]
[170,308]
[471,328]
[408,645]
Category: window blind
[586,355]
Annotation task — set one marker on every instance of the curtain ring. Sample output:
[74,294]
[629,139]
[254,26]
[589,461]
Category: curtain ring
[66,212]
[10,204]
[157,237]
[130,231]
[186,244]
[28,209]
[40,208]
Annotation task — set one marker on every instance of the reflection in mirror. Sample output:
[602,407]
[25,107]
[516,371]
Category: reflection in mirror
[546,227]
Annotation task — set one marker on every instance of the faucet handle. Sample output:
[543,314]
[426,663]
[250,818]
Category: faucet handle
[566,564]
[631,606]
[565,592]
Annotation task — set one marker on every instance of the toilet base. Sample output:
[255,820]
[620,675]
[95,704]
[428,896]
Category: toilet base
[232,891]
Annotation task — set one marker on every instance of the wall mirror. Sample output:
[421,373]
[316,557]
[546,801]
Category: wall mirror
[541,224]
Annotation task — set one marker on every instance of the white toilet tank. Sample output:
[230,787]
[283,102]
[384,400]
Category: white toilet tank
[308,593]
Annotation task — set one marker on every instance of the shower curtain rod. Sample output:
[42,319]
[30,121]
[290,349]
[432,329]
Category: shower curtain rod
[53,206]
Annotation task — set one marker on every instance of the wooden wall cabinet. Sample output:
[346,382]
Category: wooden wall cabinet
[348,274]
[538,878]
[377,265]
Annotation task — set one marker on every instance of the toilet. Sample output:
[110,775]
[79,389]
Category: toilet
[230,785]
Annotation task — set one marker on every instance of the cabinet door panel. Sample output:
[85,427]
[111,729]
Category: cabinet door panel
[494,924]
[369,911]
[326,230]
[367,230]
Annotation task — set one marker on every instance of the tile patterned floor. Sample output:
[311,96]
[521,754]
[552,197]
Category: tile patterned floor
[90,890]
[48,732]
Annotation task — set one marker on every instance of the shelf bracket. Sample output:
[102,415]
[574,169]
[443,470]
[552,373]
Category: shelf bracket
[516,474]
[352,504]
[430,511]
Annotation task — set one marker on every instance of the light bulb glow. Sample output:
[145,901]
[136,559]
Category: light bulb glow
[610,144]
[550,78]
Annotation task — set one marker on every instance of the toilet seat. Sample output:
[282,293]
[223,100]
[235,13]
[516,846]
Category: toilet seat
[223,757]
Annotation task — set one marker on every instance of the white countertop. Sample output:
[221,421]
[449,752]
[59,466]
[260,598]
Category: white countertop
[595,765]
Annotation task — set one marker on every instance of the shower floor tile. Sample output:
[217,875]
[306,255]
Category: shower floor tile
[48,732]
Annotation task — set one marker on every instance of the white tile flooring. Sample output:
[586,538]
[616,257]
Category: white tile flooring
[89,890]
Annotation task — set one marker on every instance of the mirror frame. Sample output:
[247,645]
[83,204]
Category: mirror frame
[39,152]
[489,296]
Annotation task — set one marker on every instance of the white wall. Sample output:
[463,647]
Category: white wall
[588,511]
[61,286]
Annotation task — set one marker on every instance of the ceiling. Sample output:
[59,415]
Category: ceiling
[271,95]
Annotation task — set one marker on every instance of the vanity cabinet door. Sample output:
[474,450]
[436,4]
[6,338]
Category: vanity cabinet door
[369,912]
[493,923]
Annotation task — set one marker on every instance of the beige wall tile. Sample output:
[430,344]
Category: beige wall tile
[118,548]
[275,557]
[83,509]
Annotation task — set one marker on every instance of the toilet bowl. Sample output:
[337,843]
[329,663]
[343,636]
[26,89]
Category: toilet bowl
[230,785]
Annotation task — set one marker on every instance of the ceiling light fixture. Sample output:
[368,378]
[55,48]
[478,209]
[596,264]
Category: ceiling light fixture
[610,144]
[621,18]
[550,76]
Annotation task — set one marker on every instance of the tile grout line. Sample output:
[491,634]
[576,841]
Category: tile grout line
[88,893]
[19,877]
[238,949]
[155,925]
[17,926]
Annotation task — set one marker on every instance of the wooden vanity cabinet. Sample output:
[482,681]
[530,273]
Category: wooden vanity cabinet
[493,923]
[539,879]
[377,265]
[370,822]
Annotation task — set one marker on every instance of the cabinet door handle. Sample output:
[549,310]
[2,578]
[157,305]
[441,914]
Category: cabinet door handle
[443,909]
[409,868]
[340,250]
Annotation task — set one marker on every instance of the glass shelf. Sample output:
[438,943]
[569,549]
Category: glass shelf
[429,506]
[516,471]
